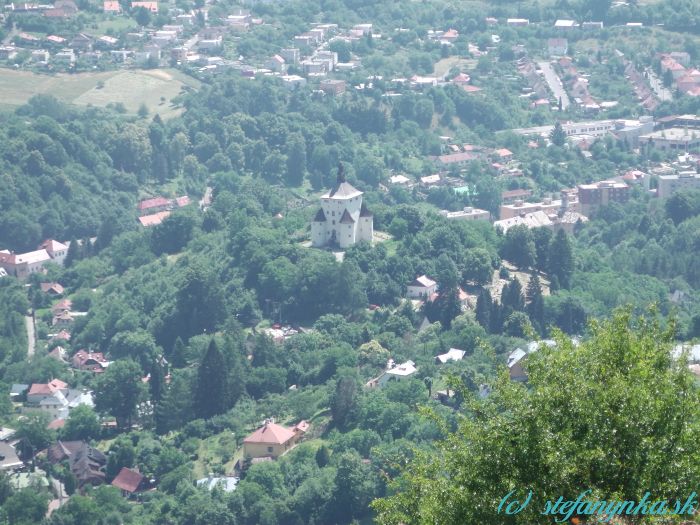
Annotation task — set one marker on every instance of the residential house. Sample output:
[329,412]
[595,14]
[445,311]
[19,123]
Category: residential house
[56,250]
[81,42]
[64,305]
[225,483]
[332,86]
[592,196]
[18,390]
[85,462]
[273,440]
[63,319]
[111,7]
[9,460]
[516,359]
[453,354]
[66,55]
[21,265]
[466,214]
[41,56]
[291,55]
[276,63]
[565,25]
[89,361]
[52,288]
[156,204]
[40,391]
[129,481]
[557,46]
[59,354]
[670,184]
[293,82]
[8,52]
[397,372]
[517,22]
[154,219]
[422,286]
[151,6]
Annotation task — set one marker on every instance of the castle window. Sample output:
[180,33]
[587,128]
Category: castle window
[333,223]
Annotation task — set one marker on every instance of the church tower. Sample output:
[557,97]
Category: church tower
[343,219]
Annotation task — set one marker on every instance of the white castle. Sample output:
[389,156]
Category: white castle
[343,219]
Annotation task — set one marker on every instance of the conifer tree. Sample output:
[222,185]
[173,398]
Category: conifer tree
[561,258]
[177,357]
[156,381]
[212,393]
[484,305]
[535,303]
[73,253]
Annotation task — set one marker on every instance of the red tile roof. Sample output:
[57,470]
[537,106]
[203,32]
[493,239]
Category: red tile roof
[128,480]
[270,433]
[154,219]
[155,202]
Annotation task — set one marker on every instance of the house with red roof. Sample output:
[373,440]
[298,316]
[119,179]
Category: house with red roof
[156,204]
[129,481]
[89,361]
[52,288]
[40,391]
[273,440]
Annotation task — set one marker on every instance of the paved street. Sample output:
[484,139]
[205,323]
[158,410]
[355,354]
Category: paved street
[657,86]
[554,83]
[31,337]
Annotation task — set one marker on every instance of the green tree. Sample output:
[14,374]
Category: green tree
[344,400]
[484,307]
[535,303]
[519,247]
[355,486]
[211,396]
[79,510]
[121,454]
[632,407]
[173,234]
[142,16]
[561,258]
[33,434]
[558,135]
[119,390]
[27,506]
[517,324]
[82,424]
[323,456]
[296,159]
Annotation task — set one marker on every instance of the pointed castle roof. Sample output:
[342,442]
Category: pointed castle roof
[342,188]
[320,216]
[347,218]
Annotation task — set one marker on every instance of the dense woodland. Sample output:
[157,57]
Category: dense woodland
[185,303]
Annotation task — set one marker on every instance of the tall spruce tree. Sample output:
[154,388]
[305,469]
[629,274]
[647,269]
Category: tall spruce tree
[561,258]
[484,306]
[156,381]
[535,303]
[512,297]
[73,253]
[177,357]
[212,392]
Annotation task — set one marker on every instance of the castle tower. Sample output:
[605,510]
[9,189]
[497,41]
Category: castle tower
[343,219]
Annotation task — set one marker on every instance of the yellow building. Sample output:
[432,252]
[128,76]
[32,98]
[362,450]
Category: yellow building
[272,440]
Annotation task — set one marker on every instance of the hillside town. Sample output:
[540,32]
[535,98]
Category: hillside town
[346,263]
